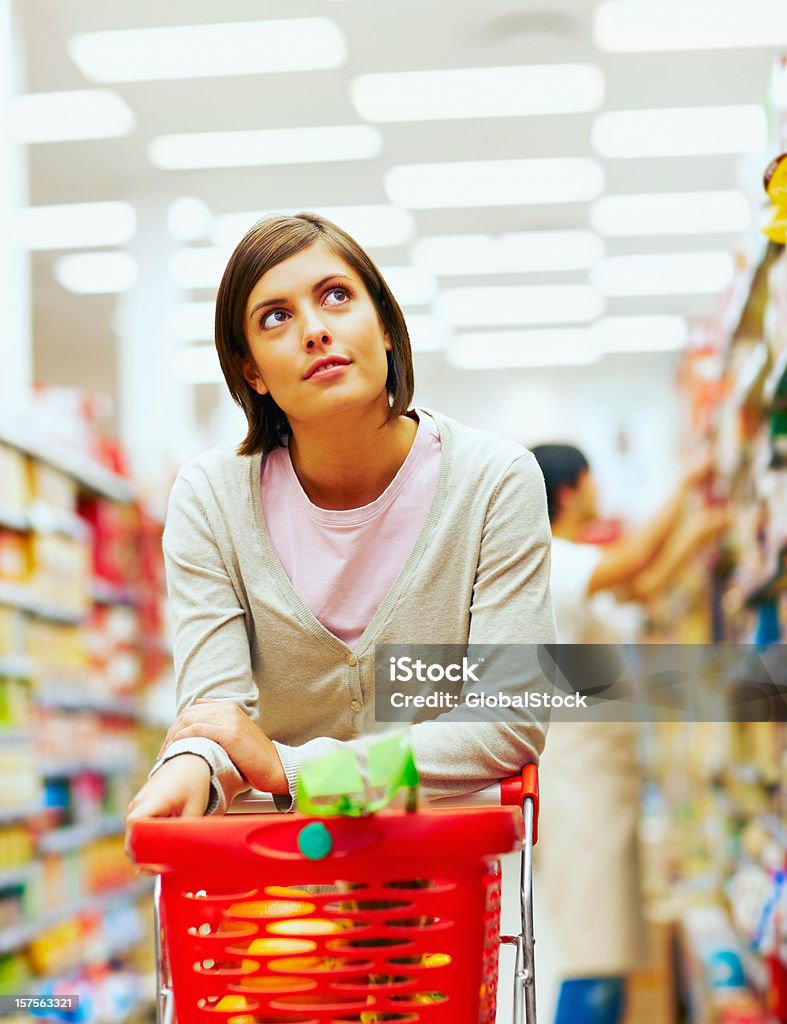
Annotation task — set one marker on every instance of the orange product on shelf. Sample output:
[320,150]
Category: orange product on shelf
[14,557]
[14,481]
[52,486]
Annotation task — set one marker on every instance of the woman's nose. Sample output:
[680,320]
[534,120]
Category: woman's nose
[315,332]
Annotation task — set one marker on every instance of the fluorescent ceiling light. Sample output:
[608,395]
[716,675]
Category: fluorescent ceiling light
[411,286]
[652,25]
[494,183]
[96,273]
[682,131]
[194,321]
[490,350]
[198,364]
[203,51]
[522,252]
[519,304]
[76,225]
[427,333]
[619,334]
[683,273]
[478,92]
[67,116]
[375,224]
[189,218]
[266,147]
[676,213]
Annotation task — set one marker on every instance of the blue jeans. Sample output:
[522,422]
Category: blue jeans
[591,1001]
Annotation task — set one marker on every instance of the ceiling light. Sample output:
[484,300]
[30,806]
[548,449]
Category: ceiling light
[266,147]
[67,116]
[671,213]
[411,286]
[520,304]
[427,333]
[659,25]
[683,273]
[619,334]
[682,131]
[194,321]
[494,183]
[189,218]
[522,252]
[478,92]
[76,225]
[96,273]
[202,51]
[198,364]
[492,350]
[372,225]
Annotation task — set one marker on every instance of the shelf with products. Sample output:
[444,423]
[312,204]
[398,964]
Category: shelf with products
[81,640]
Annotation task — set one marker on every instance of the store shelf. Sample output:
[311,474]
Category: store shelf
[16,666]
[18,936]
[14,519]
[13,877]
[74,837]
[48,519]
[69,698]
[17,595]
[66,769]
[90,474]
[103,592]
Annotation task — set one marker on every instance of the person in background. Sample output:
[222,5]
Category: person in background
[590,924]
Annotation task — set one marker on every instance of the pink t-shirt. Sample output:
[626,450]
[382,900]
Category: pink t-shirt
[343,562]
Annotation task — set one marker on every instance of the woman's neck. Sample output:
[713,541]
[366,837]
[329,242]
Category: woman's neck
[340,467]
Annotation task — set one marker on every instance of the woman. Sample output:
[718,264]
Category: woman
[346,519]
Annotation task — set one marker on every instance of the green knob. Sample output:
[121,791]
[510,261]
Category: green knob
[315,841]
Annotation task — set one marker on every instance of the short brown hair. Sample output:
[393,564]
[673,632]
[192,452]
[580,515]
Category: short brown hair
[268,243]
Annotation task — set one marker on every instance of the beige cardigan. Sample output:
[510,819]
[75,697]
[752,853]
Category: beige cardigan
[479,573]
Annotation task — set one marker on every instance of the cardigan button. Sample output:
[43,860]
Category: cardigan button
[356,705]
[351,659]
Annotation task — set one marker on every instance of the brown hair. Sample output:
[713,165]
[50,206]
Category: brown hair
[268,243]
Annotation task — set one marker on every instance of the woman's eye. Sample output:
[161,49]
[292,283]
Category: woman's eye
[336,296]
[273,319]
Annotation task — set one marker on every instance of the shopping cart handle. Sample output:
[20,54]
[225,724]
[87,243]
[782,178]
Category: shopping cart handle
[517,789]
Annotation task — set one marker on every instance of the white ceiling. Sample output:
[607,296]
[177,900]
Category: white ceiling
[74,341]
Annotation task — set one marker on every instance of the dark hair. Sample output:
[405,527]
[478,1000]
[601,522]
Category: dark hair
[268,243]
[562,466]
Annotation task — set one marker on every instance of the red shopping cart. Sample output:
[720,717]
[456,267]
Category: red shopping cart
[283,919]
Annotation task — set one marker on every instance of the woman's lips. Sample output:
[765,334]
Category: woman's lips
[325,368]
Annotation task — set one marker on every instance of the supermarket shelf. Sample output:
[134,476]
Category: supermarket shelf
[90,474]
[15,737]
[74,837]
[18,813]
[19,596]
[15,876]
[103,592]
[48,519]
[16,666]
[19,935]
[57,696]
[65,769]
[12,518]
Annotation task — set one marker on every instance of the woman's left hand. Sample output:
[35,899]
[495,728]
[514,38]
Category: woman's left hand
[252,753]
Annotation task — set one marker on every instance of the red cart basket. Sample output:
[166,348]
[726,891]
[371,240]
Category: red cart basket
[283,919]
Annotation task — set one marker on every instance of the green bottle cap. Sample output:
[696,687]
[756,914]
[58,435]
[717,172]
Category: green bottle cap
[315,841]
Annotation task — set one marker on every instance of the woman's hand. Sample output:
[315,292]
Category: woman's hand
[252,753]
[179,789]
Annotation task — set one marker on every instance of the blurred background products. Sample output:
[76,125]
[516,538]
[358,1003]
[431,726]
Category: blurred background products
[567,200]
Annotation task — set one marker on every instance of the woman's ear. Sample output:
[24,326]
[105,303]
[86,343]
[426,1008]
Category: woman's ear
[251,374]
[387,342]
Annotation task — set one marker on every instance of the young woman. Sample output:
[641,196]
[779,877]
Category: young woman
[345,519]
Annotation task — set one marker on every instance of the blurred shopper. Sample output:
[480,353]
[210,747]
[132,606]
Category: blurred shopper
[590,924]
[347,518]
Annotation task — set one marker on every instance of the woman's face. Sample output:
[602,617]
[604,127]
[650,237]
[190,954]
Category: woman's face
[316,341]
